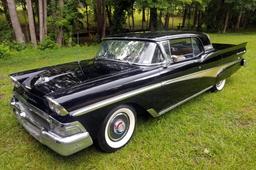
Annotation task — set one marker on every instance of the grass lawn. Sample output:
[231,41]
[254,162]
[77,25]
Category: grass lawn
[213,131]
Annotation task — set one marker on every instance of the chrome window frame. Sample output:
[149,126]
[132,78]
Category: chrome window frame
[158,45]
[195,58]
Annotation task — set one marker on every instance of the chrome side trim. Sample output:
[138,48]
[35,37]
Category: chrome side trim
[183,101]
[213,72]
[15,81]
[153,112]
[112,100]
[242,52]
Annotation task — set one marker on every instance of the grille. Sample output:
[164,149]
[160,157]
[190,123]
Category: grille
[33,114]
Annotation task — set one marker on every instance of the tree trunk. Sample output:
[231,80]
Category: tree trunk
[199,21]
[189,16]
[41,20]
[245,19]
[226,22]
[172,22]
[35,8]
[153,19]
[87,18]
[195,17]
[148,18]
[133,19]
[45,17]
[166,21]
[160,23]
[129,23]
[6,12]
[101,21]
[15,21]
[143,18]
[239,20]
[60,29]
[184,16]
[109,15]
[31,23]
[25,24]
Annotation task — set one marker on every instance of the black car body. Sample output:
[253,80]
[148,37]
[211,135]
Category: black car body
[64,106]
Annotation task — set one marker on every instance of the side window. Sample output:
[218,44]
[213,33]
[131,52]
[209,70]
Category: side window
[197,46]
[167,48]
[181,49]
[158,56]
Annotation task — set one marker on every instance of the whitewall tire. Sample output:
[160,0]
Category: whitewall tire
[117,128]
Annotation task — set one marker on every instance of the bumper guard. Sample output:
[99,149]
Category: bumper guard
[63,145]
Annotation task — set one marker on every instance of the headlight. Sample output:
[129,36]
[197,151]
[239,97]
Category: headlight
[56,107]
[67,129]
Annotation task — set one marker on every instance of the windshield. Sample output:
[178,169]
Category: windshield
[139,52]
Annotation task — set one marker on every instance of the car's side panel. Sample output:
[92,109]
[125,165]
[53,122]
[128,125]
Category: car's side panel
[203,75]
[176,83]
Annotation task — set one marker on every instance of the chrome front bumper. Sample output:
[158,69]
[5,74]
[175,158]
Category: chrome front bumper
[39,127]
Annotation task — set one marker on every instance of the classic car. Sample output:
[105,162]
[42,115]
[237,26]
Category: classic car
[68,107]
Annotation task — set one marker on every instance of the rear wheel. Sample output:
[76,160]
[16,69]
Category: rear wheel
[117,129]
[219,86]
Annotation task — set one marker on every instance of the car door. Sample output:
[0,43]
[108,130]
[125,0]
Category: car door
[181,79]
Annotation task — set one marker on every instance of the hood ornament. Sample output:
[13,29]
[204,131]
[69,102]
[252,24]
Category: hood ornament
[43,80]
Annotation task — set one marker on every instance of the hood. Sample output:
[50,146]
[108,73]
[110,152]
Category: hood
[57,78]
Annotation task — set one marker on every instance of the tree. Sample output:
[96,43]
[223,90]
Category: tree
[101,18]
[119,14]
[60,28]
[142,5]
[226,20]
[42,19]
[153,19]
[240,7]
[15,21]
[6,12]
[31,22]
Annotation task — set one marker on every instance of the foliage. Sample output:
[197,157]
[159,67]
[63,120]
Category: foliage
[81,16]
[4,51]
[5,31]
[17,46]
[68,18]
[47,43]
[119,15]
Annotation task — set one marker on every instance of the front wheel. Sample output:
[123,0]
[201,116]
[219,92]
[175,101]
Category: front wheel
[117,129]
[219,86]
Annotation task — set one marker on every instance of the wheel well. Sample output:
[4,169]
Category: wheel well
[138,108]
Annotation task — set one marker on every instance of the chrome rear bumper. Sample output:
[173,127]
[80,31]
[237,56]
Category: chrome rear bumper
[42,132]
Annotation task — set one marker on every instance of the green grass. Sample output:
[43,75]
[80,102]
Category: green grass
[213,131]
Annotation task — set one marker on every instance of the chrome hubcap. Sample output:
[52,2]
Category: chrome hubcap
[118,127]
